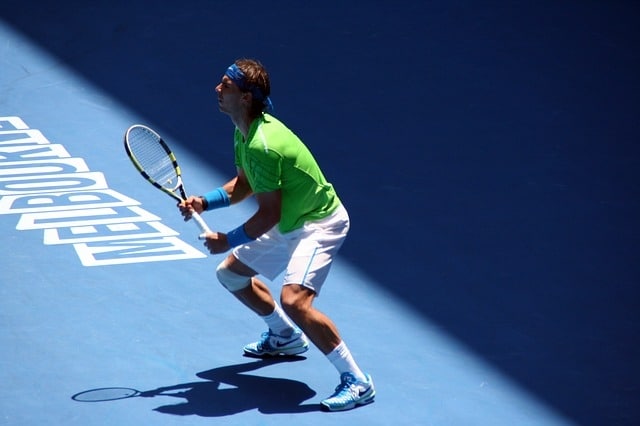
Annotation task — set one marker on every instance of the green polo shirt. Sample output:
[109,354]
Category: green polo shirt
[274,158]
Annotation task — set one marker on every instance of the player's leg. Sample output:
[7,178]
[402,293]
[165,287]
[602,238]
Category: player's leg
[240,280]
[356,388]
[297,302]
[306,273]
[282,337]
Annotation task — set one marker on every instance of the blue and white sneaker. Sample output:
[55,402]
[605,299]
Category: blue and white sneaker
[271,344]
[350,393]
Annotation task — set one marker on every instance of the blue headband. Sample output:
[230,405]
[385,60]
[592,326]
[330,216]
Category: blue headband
[237,76]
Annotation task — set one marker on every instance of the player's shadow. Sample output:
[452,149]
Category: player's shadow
[228,390]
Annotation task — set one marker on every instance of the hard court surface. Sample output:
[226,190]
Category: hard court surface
[488,154]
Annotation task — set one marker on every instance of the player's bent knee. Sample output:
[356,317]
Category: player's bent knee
[295,303]
[230,280]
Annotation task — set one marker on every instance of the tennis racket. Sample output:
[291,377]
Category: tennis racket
[155,161]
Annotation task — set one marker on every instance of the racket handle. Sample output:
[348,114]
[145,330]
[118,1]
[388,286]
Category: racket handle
[201,224]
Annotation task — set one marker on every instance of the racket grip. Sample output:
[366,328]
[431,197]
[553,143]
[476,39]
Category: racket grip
[201,224]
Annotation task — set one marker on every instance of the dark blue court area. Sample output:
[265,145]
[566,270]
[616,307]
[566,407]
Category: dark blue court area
[488,154]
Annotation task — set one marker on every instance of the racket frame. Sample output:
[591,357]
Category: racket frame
[174,162]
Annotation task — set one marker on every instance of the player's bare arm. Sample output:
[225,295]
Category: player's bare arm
[238,188]
[268,214]
[265,218]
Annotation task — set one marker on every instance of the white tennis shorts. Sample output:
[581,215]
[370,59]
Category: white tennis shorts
[306,254]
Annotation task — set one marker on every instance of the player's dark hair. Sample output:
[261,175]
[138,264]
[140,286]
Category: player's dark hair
[256,76]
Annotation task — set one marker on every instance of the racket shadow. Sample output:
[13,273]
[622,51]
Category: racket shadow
[229,390]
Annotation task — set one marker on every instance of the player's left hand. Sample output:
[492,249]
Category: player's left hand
[216,242]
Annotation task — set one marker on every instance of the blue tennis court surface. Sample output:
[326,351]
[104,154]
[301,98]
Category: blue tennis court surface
[488,155]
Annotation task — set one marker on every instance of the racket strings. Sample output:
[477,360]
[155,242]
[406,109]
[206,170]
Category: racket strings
[153,158]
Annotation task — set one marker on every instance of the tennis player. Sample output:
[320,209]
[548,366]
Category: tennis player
[298,228]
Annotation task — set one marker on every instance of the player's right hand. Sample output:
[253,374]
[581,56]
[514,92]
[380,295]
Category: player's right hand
[190,205]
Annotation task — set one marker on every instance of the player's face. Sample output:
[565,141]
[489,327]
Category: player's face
[230,97]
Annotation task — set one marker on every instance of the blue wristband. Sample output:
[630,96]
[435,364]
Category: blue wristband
[216,199]
[238,237]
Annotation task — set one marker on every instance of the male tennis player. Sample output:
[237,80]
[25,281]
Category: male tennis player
[298,228]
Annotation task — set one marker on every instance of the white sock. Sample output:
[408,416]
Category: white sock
[342,359]
[279,323]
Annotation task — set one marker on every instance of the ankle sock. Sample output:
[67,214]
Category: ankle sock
[342,359]
[279,323]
